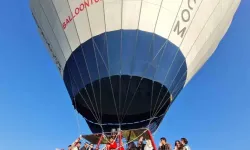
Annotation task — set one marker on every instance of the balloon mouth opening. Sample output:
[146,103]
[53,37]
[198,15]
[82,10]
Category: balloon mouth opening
[122,100]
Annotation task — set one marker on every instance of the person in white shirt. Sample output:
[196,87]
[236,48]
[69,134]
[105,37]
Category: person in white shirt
[76,144]
[184,142]
[148,145]
[69,147]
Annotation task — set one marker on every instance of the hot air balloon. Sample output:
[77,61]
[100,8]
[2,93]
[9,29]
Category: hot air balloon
[124,62]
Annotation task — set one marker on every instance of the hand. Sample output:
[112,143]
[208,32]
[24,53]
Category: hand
[81,136]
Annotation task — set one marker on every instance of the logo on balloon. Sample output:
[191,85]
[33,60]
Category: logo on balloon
[185,17]
[74,13]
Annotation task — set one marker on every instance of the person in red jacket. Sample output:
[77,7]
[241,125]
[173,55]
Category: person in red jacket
[112,144]
[121,147]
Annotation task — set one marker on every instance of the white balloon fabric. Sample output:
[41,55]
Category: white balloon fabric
[130,52]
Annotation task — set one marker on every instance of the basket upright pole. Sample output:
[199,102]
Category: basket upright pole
[152,139]
[120,140]
[99,142]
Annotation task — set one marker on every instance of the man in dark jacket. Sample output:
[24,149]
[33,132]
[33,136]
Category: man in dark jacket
[164,145]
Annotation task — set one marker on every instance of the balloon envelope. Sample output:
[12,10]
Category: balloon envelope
[125,61]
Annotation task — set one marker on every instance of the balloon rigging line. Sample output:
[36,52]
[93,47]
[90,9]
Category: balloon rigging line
[75,63]
[152,60]
[103,60]
[208,39]
[154,112]
[206,52]
[77,33]
[153,40]
[121,50]
[134,54]
[181,65]
[119,96]
[189,50]
[109,68]
[105,43]
[159,61]
[56,38]
[79,71]
[77,118]
[189,25]
[94,53]
[65,58]
[42,30]
[185,80]
[212,33]
[105,67]
[85,103]
[52,28]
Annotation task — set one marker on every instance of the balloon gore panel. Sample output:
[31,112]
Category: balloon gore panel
[126,82]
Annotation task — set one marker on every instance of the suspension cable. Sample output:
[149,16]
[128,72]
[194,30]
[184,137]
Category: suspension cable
[78,37]
[77,118]
[186,70]
[218,25]
[42,30]
[52,29]
[94,114]
[153,40]
[121,48]
[206,40]
[188,27]
[133,59]
[152,61]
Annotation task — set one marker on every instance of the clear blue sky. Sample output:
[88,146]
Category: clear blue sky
[36,112]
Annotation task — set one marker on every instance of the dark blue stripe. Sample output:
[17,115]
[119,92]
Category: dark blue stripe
[132,58]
